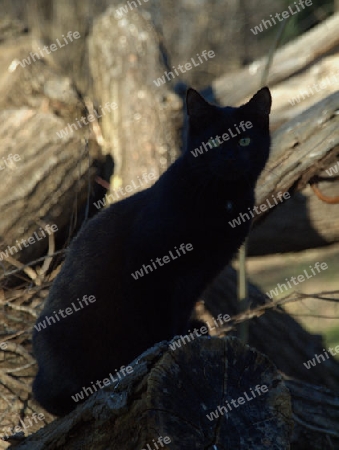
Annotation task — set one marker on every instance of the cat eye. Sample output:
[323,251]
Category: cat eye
[213,142]
[244,142]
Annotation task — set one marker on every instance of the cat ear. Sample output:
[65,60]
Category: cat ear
[260,103]
[197,106]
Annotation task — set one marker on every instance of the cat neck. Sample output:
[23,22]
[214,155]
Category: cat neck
[195,189]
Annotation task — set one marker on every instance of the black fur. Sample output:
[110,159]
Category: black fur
[191,203]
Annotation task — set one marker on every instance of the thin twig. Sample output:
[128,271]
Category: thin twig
[13,272]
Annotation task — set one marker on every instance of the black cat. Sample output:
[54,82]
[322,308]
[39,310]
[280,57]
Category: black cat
[144,261]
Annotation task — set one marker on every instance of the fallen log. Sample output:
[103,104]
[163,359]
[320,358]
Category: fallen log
[272,332]
[168,400]
[315,415]
[294,95]
[205,393]
[300,223]
[301,149]
[154,122]
[45,166]
[142,131]
[38,181]
[232,89]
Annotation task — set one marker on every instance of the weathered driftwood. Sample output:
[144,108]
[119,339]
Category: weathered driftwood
[315,399]
[169,395]
[315,416]
[48,20]
[274,333]
[301,149]
[10,28]
[171,392]
[309,150]
[31,78]
[295,56]
[104,421]
[296,94]
[38,188]
[142,133]
[44,175]
[300,223]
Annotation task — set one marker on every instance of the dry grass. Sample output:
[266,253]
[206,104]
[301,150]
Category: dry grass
[20,306]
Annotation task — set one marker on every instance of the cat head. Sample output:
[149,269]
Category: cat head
[229,143]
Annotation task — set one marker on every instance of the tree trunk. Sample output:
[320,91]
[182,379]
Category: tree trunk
[302,222]
[232,89]
[50,20]
[45,176]
[301,150]
[142,135]
[273,332]
[171,393]
[38,187]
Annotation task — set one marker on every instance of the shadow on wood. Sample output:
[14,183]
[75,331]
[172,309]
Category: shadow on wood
[172,393]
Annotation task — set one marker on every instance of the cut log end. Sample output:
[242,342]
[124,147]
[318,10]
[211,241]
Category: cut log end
[209,393]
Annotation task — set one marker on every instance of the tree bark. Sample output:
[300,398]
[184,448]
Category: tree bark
[273,332]
[50,20]
[301,150]
[315,415]
[170,393]
[302,222]
[142,135]
[232,89]
[296,94]
[39,188]
[48,180]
